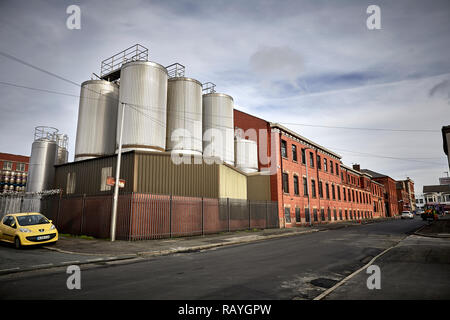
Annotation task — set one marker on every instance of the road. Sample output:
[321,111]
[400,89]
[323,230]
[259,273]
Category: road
[297,267]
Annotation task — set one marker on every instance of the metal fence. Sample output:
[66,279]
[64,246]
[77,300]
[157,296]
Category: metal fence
[146,216]
[14,202]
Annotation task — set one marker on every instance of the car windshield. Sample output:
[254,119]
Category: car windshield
[32,220]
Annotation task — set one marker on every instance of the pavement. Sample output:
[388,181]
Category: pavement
[437,229]
[76,250]
[299,266]
[417,268]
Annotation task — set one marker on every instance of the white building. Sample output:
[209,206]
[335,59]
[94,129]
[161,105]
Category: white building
[437,195]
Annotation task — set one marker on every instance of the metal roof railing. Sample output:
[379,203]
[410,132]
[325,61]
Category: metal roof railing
[175,70]
[114,63]
[208,87]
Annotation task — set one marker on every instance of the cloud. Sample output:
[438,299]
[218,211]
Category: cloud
[441,89]
[277,66]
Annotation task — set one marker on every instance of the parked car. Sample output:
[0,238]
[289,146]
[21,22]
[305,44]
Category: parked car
[407,215]
[25,229]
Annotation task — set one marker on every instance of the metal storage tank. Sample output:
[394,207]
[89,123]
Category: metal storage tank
[246,152]
[218,115]
[97,120]
[41,170]
[62,154]
[184,111]
[143,88]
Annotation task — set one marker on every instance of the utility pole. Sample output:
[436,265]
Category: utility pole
[116,185]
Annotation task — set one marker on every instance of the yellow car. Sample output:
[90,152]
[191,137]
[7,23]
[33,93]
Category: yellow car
[25,229]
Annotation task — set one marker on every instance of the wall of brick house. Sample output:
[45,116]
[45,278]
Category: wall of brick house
[15,159]
[391,192]
[293,168]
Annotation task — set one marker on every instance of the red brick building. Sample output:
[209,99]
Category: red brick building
[13,169]
[308,180]
[390,196]
[405,195]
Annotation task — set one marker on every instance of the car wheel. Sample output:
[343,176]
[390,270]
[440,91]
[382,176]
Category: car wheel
[17,243]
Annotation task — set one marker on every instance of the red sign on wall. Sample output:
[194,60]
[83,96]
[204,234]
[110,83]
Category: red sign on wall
[111,181]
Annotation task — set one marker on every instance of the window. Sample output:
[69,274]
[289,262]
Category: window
[106,172]
[296,190]
[307,214]
[329,214]
[319,164]
[303,156]
[349,195]
[311,160]
[20,166]
[337,169]
[297,215]
[71,180]
[325,165]
[287,215]
[7,165]
[353,195]
[331,166]
[344,194]
[320,189]
[346,215]
[315,215]
[327,190]
[294,153]
[322,214]
[305,186]
[285,183]
[333,192]
[335,214]
[340,214]
[338,193]
[283,149]
[313,188]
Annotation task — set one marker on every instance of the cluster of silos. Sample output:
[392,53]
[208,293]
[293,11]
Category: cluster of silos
[160,113]
[11,181]
[48,149]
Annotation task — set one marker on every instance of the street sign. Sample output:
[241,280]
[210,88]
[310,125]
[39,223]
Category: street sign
[111,181]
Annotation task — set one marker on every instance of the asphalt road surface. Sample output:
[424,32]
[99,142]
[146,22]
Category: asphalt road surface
[297,267]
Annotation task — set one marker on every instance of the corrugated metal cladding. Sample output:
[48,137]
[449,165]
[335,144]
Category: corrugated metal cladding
[88,174]
[154,173]
[232,183]
[157,174]
[258,187]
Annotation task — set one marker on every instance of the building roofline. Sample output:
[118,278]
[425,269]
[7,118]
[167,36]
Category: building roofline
[351,169]
[300,137]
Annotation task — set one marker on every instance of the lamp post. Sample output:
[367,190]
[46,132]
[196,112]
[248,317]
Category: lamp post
[116,185]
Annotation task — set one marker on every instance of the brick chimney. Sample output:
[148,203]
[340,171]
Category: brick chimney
[357,167]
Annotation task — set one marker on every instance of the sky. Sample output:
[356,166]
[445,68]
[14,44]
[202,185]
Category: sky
[303,64]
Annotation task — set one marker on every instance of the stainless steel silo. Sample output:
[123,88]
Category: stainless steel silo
[62,154]
[41,170]
[246,153]
[143,89]
[97,119]
[184,116]
[218,127]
